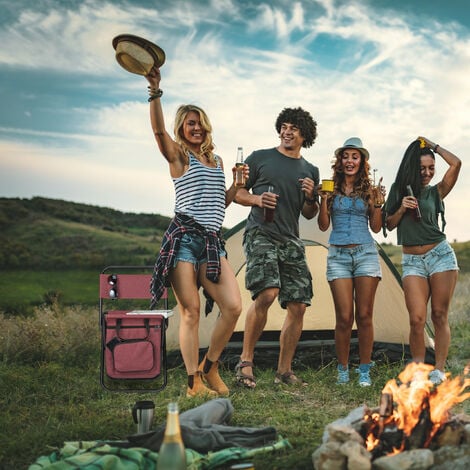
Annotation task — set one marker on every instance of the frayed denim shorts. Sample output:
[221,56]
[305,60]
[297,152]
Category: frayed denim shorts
[441,258]
[346,263]
[193,250]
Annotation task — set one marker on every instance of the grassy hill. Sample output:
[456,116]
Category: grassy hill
[52,250]
[42,233]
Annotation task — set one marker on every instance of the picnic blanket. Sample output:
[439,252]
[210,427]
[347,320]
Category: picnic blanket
[209,440]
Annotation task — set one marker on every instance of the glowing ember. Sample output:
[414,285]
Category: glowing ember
[418,408]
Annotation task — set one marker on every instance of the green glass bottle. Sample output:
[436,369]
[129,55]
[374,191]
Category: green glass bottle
[172,455]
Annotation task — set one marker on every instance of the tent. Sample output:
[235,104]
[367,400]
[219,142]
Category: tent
[391,321]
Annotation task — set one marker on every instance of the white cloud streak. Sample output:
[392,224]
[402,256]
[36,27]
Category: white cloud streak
[386,79]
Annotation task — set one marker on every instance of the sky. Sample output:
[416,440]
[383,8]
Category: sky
[74,125]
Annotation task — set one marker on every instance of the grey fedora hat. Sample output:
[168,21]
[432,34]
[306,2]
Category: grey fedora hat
[353,143]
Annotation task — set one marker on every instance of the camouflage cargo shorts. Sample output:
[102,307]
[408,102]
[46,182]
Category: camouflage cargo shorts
[272,263]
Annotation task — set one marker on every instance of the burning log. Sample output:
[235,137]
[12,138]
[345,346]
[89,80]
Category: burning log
[411,428]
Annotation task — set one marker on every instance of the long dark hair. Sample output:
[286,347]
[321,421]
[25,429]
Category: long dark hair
[409,173]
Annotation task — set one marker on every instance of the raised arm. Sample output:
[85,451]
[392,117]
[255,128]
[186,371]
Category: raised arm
[168,147]
[450,177]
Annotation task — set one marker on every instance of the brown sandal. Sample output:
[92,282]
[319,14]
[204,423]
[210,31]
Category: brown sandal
[245,380]
[288,378]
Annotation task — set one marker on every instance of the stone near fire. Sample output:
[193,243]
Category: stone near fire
[451,457]
[453,434]
[341,433]
[358,457]
[329,457]
[467,433]
[343,450]
[354,420]
[416,459]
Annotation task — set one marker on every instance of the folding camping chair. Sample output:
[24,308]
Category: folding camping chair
[133,338]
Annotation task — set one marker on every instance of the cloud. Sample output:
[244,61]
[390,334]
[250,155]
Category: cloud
[360,70]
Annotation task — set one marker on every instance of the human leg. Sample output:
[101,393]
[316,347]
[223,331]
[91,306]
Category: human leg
[288,340]
[342,292]
[263,281]
[295,295]
[417,292]
[442,288]
[255,322]
[226,294]
[365,288]
[183,281]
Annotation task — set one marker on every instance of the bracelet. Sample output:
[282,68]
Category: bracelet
[435,147]
[154,93]
[378,206]
[309,201]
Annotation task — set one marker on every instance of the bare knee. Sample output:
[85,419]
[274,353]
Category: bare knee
[439,317]
[417,322]
[190,316]
[364,319]
[344,323]
[266,298]
[232,311]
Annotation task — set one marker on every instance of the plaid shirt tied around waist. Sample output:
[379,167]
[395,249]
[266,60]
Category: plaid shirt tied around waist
[180,225]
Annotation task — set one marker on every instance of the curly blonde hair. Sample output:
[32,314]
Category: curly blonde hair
[207,147]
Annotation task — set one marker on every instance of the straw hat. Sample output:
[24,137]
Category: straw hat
[353,143]
[136,54]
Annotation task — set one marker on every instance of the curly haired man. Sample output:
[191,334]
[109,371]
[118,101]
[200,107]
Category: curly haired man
[281,182]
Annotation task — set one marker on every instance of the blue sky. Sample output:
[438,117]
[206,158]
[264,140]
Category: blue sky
[74,125]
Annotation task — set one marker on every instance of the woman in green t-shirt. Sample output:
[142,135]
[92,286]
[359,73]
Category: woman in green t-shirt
[429,264]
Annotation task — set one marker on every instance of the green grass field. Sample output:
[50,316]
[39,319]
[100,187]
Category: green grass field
[50,391]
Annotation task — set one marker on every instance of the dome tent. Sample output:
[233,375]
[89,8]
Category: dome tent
[391,321]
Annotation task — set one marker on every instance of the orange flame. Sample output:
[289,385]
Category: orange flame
[412,393]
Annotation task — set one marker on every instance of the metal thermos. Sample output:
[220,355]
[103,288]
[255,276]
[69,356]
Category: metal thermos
[142,413]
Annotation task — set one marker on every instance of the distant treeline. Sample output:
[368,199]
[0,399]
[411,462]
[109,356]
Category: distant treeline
[47,233]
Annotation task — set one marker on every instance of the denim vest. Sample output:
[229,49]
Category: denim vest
[350,221]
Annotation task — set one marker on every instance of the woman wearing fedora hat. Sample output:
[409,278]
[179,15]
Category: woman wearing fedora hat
[192,252]
[353,268]
[429,263]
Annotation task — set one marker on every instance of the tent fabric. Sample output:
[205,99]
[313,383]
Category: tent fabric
[391,321]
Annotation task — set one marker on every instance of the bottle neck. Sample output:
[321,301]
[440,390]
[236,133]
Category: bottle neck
[172,430]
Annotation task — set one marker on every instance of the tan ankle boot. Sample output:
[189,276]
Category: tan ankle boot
[199,389]
[213,378]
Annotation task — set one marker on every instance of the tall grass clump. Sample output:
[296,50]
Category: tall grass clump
[64,335]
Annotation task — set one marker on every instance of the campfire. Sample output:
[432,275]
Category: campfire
[413,422]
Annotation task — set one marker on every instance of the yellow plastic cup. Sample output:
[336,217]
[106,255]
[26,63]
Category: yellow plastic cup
[327,186]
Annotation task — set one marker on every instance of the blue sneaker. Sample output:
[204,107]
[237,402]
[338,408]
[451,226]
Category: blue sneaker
[436,376]
[343,375]
[364,377]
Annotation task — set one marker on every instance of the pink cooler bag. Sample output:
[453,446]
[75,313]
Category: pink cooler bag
[133,345]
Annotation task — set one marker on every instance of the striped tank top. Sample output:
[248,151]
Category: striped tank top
[200,193]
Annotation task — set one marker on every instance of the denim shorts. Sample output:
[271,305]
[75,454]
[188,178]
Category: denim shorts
[441,258]
[274,263]
[346,263]
[193,250]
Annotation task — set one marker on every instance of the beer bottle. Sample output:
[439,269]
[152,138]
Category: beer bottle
[409,190]
[171,455]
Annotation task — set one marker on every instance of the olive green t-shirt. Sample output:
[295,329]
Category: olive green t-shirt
[410,231]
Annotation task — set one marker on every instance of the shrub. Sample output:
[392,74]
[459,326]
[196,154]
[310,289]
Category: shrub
[68,335]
